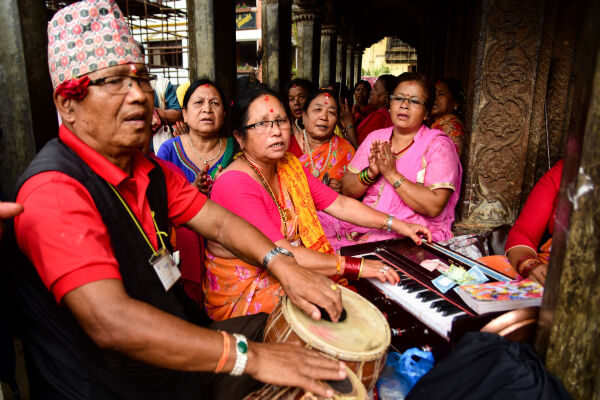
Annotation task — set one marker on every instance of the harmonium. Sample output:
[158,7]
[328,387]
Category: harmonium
[418,313]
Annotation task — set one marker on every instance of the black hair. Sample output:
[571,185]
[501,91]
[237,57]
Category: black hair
[303,83]
[340,92]
[422,80]
[239,113]
[456,91]
[199,82]
[316,93]
[362,82]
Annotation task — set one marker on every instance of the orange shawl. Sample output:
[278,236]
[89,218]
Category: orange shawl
[234,288]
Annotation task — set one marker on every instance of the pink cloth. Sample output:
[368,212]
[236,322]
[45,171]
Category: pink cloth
[431,161]
[241,194]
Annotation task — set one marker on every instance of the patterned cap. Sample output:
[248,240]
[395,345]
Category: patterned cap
[87,36]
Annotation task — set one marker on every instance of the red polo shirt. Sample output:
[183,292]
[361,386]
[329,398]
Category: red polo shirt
[61,230]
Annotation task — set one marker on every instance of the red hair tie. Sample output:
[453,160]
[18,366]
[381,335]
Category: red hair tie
[74,88]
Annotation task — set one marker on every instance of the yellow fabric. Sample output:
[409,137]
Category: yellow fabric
[180,92]
[310,229]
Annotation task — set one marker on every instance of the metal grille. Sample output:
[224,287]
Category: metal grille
[161,26]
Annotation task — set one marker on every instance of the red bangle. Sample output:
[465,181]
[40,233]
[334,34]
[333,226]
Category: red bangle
[353,267]
[529,266]
[522,259]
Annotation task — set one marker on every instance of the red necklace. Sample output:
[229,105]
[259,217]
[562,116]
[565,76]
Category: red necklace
[404,149]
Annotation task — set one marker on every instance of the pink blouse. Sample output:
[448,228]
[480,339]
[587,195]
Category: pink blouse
[242,195]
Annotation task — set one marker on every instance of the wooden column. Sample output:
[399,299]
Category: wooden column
[328,54]
[570,315]
[211,25]
[309,42]
[276,43]
[27,114]
[340,59]
[349,64]
[505,71]
[358,52]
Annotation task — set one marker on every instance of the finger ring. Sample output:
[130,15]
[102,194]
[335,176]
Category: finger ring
[386,268]
[382,270]
[333,287]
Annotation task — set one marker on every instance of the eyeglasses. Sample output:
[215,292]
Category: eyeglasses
[121,84]
[411,102]
[262,126]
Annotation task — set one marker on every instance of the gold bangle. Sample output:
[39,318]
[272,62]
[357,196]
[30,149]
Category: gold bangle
[362,262]
[338,265]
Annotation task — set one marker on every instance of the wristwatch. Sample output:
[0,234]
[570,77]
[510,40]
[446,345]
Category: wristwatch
[241,356]
[273,253]
[399,182]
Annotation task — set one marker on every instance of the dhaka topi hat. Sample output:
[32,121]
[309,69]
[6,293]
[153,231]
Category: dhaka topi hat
[87,36]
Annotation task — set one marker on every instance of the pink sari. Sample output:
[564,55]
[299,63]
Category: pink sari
[431,161]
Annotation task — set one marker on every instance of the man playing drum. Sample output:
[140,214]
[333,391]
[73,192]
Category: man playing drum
[103,315]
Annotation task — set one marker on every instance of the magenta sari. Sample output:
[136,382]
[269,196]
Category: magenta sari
[431,161]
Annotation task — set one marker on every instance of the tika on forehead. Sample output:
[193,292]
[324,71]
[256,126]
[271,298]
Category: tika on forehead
[266,98]
[133,69]
[206,85]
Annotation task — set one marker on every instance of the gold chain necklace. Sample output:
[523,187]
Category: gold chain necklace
[206,161]
[283,213]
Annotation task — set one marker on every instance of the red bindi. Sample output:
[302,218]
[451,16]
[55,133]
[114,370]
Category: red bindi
[206,85]
[410,83]
[325,103]
[294,86]
[271,110]
[326,94]
[266,98]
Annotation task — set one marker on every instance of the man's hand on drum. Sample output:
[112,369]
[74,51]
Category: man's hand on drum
[307,289]
[379,270]
[293,365]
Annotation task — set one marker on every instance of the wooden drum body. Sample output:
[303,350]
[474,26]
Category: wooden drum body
[360,341]
[352,389]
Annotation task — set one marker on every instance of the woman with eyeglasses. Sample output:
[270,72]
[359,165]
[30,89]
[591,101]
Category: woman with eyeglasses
[269,188]
[408,170]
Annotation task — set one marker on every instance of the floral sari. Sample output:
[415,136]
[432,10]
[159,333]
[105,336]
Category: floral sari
[234,288]
[336,164]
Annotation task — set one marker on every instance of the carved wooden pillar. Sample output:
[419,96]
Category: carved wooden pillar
[340,59]
[504,78]
[276,42]
[211,31]
[309,41]
[349,64]
[27,112]
[328,53]
[568,324]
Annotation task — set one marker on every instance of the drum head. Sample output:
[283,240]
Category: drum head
[363,335]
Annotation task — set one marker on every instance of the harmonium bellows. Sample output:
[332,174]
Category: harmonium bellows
[418,313]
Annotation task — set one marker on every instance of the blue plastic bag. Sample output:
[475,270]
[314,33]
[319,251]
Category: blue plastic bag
[402,371]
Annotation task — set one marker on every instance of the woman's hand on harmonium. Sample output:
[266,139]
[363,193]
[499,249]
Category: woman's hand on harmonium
[413,231]
[386,161]
[379,270]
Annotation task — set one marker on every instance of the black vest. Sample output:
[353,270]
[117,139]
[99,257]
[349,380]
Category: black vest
[67,361]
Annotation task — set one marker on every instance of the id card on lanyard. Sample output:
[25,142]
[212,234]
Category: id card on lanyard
[162,261]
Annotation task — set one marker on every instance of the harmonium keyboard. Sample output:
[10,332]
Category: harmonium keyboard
[418,313]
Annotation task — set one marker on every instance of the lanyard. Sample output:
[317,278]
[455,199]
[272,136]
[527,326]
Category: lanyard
[158,232]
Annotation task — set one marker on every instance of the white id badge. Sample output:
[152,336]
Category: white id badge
[165,268]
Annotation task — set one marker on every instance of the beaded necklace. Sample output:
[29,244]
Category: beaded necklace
[315,172]
[283,213]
